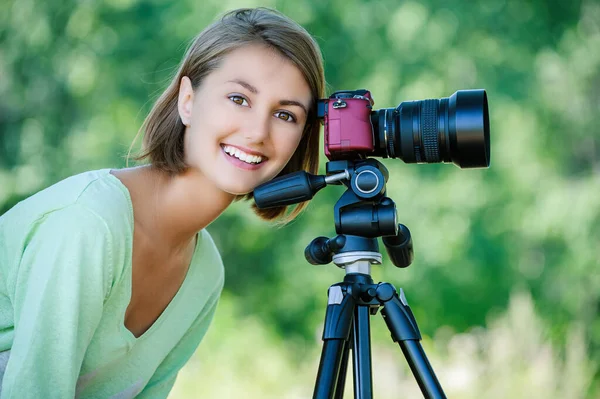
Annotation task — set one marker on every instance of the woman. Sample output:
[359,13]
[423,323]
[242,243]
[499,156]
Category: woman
[110,279]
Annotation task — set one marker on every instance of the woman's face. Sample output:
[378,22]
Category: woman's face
[245,120]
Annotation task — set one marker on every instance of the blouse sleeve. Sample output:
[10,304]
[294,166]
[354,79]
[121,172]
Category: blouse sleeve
[57,291]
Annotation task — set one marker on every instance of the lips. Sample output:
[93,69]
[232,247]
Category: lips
[245,165]
[243,155]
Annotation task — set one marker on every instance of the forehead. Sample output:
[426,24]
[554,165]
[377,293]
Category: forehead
[264,68]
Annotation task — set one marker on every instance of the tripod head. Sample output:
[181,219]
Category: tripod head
[362,214]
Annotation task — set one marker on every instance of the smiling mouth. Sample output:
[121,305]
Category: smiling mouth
[242,156]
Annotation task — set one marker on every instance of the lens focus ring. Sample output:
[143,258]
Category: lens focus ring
[429,119]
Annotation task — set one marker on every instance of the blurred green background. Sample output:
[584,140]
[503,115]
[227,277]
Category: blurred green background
[505,284]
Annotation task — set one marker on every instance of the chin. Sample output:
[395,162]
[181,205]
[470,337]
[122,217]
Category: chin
[237,186]
[237,190]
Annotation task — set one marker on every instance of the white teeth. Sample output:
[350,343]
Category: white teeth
[242,156]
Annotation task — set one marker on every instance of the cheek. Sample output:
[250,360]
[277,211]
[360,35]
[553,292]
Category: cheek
[210,127]
[288,144]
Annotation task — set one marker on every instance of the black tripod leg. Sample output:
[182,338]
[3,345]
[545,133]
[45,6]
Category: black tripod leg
[403,326]
[363,381]
[341,381]
[338,322]
[329,366]
[421,369]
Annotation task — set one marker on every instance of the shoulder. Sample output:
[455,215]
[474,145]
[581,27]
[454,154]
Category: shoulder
[94,192]
[68,244]
[85,210]
[93,189]
[205,239]
[209,258]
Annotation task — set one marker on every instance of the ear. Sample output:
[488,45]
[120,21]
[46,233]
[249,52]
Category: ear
[185,100]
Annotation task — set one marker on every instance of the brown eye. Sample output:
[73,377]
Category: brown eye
[285,116]
[239,100]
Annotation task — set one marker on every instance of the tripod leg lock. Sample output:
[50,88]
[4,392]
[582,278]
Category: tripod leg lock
[397,314]
[339,314]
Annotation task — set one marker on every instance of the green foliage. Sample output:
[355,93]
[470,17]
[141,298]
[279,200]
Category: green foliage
[77,78]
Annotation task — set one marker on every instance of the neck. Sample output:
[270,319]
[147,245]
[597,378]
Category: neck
[172,209]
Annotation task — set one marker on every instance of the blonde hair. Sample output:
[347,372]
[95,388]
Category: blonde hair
[163,140]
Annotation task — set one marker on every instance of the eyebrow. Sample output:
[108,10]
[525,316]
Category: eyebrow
[254,90]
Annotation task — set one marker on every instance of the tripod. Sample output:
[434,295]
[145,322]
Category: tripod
[350,303]
[362,214]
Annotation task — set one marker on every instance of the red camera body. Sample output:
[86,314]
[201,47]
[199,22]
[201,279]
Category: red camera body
[347,120]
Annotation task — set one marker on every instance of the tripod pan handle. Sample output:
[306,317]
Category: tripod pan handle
[288,189]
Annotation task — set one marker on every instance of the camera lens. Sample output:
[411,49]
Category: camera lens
[454,129]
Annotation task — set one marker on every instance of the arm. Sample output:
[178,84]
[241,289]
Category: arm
[164,377]
[58,291]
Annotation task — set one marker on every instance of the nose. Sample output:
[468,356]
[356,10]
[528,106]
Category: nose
[257,128]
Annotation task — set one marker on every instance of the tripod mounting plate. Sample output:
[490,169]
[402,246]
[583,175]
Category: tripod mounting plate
[357,261]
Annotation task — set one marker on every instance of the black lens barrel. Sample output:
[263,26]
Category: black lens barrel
[453,129]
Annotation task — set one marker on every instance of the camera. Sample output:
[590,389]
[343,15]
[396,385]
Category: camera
[454,129]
